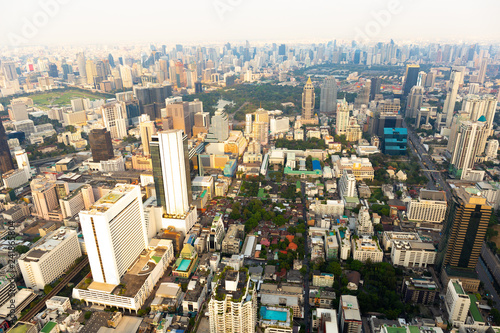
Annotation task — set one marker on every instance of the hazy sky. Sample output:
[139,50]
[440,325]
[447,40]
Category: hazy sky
[26,22]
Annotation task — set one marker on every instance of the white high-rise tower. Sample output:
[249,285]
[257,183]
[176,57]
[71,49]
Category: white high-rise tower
[115,233]
[328,98]
[451,97]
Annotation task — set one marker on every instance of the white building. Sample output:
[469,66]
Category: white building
[349,315]
[331,207]
[429,207]
[342,117]
[14,178]
[173,183]
[413,254]
[114,116]
[347,184]
[80,199]
[115,233]
[233,304]
[47,261]
[364,225]
[279,125]
[364,248]
[457,302]
[23,162]
[491,150]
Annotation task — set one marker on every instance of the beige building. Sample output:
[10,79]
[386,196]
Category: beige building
[323,279]
[44,196]
[365,248]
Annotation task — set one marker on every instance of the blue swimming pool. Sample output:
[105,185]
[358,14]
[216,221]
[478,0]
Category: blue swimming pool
[267,314]
[184,265]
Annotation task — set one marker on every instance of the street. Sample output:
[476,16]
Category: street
[307,310]
[484,276]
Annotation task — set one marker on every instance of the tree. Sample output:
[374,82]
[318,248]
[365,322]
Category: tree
[334,268]
[496,315]
[47,289]
[21,249]
[87,315]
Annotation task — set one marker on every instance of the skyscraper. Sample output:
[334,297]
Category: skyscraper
[464,230]
[101,145]
[342,118]
[451,97]
[148,129]
[219,127]
[23,162]
[181,117]
[44,196]
[411,78]
[171,172]
[482,70]
[414,102]
[114,116]
[81,62]
[375,87]
[328,98]
[308,98]
[468,145]
[9,70]
[115,233]
[6,163]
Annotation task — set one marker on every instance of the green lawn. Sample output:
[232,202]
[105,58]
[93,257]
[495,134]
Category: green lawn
[64,97]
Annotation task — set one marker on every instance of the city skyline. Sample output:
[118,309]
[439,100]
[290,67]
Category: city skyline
[53,22]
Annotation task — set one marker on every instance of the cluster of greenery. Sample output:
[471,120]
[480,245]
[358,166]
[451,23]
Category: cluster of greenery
[131,139]
[286,260]
[411,168]
[381,209]
[312,143]
[379,292]
[253,213]
[45,120]
[249,188]
[36,154]
[61,96]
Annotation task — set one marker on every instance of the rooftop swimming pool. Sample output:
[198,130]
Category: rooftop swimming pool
[267,314]
[184,265]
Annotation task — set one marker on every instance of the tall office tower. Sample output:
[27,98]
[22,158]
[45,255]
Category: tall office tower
[477,106]
[53,72]
[457,302]
[342,117]
[91,70]
[375,87]
[219,127]
[364,225]
[126,76]
[101,145]
[19,110]
[328,98]
[422,77]
[181,118]
[171,172]
[308,98]
[349,315]
[236,311]
[464,230]
[201,123]
[363,96]
[482,71]
[248,123]
[468,145]
[414,102]
[180,75]
[114,116]
[411,77]
[23,162]
[47,261]
[6,163]
[115,233]
[491,151]
[282,50]
[152,98]
[451,97]
[347,185]
[9,70]
[260,132]
[198,87]
[44,196]
[82,65]
[148,129]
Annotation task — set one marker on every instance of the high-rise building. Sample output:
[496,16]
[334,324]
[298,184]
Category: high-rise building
[429,207]
[364,225]
[342,117]
[308,98]
[171,172]
[114,116]
[464,230]
[468,146]
[375,87]
[53,72]
[181,117]
[457,302]
[411,78]
[81,63]
[363,97]
[6,163]
[9,70]
[482,70]
[414,103]
[23,162]
[115,233]
[328,98]
[148,129]
[232,306]
[451,97]
[349,315]
[219,127]
[44,196]
[101,145]
[19,110]
[91,72]
[47,261]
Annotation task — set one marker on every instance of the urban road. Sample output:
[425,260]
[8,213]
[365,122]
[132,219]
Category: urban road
[306,262]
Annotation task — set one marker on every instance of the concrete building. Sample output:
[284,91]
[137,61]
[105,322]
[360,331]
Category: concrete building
[413,254]
[44,196]
[349,315]
[114,116]
[328,98]
[365,248]
[422,290]
[148,129]
[14,178]
[115,233]
[308,97]
[323,279]
[234,239]
[48,260]
[429,207]
[457,303]
[232,306]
